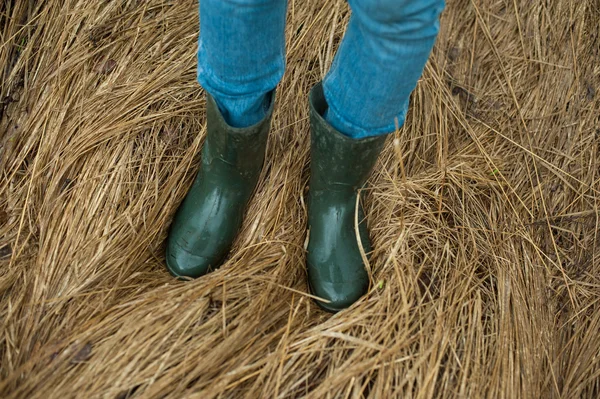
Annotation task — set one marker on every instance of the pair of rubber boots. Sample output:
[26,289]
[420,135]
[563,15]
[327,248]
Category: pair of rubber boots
[211,214]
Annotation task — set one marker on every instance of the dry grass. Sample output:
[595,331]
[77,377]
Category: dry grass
[484,212]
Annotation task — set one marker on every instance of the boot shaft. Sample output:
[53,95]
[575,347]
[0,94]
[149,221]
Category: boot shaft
[241,148]
[338,161]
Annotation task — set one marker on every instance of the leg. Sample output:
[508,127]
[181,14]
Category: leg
[378,64]
[375,70]
[241,55]
[240,61]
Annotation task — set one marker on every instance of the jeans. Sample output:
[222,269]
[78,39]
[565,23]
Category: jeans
[241,58]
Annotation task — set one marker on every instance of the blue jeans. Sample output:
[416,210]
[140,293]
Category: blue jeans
[241,58]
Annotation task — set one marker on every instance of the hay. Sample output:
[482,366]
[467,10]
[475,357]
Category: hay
[484,212]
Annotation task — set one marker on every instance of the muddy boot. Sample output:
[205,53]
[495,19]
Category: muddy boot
[211,214]
[339,167]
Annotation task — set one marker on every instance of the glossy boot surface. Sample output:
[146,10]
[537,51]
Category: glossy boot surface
[340,166]
[211,214]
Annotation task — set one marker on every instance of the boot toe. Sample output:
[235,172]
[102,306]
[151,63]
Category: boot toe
[182,263]
[340,295]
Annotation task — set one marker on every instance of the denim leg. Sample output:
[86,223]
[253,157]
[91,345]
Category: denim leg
[379,61]
[241,55]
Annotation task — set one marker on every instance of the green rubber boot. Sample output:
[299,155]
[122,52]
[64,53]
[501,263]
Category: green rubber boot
[211,214]
[339,167]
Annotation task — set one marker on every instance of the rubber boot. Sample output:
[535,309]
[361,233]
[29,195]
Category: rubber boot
[339,167]
[211,214]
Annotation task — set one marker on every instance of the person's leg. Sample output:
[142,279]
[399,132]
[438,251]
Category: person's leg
[377,66]
[240,61]
[380,59]
[241,55]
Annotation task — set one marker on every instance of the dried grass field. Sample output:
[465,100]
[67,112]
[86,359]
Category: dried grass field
[484,210]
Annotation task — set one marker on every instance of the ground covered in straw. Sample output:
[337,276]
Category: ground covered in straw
[484,212]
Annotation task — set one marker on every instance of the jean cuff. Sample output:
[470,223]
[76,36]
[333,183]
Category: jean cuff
[347,128]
